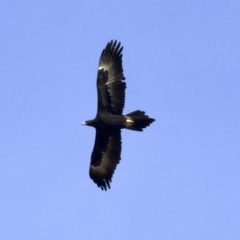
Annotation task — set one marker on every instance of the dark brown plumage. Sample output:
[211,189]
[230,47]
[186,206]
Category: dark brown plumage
[109,119]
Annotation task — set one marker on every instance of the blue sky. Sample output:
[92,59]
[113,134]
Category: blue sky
[179,179]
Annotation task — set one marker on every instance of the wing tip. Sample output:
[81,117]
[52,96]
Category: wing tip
[112,49]
[101,181]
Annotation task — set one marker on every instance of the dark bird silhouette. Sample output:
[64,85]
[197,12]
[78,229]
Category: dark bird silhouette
[109,119]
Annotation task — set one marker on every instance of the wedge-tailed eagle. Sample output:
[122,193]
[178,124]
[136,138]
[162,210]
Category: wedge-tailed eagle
[109,119]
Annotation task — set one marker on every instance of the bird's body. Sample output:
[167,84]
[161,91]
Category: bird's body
[109,119]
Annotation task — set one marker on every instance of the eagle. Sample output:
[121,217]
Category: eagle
[109,119]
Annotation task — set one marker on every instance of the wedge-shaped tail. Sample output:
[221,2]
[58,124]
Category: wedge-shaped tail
[137,120]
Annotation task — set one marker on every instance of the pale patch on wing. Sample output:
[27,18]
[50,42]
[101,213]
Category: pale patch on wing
[102,168]
[107,67]
[105,64]
[102,66]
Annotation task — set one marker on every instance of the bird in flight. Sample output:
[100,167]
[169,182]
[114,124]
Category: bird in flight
[109,119]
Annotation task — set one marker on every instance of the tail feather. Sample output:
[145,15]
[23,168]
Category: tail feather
[137,120]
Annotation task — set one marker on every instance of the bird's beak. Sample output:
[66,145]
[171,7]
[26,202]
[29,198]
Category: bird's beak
[84,123]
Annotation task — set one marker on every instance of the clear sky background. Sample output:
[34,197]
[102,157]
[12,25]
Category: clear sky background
[179,179]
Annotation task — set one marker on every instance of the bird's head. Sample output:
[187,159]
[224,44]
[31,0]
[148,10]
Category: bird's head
[88,123]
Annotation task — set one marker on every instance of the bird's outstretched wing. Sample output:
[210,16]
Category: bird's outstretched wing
[105,157]
[110,87]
